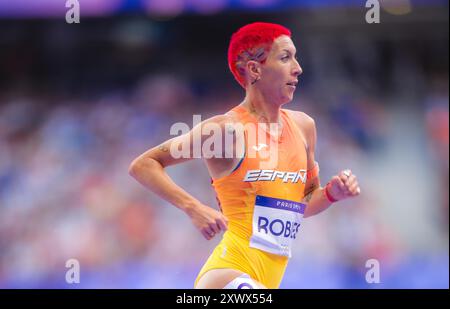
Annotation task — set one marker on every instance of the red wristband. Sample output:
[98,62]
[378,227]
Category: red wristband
[328,195]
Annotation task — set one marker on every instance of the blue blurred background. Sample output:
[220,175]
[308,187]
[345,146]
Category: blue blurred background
[79,101]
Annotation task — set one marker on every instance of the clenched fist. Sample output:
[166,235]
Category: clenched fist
[342,186]
[207,220]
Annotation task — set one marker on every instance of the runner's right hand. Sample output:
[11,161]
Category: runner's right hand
[207,220]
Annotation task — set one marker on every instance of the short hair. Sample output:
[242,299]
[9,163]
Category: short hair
[252,42]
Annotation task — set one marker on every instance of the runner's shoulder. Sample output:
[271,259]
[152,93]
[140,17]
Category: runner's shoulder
[303,120]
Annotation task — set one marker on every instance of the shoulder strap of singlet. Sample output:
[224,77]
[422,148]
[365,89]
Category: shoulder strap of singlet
[314,172]
[295,126]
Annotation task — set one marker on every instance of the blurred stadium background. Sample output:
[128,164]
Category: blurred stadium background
[79,101]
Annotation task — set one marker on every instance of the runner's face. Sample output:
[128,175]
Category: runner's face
[280,71]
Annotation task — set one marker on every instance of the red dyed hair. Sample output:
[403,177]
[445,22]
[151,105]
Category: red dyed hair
[252,42]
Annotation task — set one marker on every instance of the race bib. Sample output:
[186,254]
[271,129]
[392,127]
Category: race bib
[275,224]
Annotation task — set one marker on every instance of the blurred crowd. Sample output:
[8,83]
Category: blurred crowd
[65,192]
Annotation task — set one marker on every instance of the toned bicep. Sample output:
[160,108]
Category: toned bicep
[312,182]
[313,179]
[190,145]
